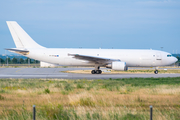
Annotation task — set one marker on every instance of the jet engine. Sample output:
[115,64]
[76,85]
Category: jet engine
[121,66]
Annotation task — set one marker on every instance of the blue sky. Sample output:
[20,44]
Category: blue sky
[121,24]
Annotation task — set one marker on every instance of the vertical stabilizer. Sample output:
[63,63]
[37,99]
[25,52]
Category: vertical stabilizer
[20,37]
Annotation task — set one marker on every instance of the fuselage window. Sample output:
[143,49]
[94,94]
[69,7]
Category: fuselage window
[169,55]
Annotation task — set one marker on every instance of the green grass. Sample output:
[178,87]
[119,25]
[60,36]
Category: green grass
[110,84]
[47,91]
[149,81]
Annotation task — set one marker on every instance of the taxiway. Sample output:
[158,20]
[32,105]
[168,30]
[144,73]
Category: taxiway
[46,73]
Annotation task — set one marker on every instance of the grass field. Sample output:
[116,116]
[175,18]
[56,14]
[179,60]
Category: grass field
[124,99]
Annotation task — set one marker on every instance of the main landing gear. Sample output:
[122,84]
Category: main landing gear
[96,71]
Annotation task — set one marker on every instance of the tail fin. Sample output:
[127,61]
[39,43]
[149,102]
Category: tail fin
[20,37]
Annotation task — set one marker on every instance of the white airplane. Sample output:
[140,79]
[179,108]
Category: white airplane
[116,59]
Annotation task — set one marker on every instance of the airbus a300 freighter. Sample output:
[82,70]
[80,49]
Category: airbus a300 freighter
[116,59]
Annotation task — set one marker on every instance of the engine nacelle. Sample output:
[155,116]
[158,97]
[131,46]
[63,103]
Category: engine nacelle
[121,66]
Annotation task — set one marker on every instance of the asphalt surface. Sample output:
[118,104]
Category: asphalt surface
[46,73]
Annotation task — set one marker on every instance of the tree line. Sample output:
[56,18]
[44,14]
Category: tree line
[18,61]
[178,58]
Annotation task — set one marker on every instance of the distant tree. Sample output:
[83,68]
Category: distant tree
[2,61]
[37,61]
[9,60]
[32,60]
[26,60]
[14,60]
[21,61]
[178,58]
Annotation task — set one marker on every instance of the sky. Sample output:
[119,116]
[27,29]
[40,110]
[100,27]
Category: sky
[106,24]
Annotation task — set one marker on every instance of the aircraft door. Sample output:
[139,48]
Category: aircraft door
[158,59]
[158,56]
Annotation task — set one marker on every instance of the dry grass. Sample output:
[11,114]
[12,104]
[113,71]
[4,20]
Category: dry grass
[96,102]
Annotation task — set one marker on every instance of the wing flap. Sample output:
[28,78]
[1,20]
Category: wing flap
[95,59]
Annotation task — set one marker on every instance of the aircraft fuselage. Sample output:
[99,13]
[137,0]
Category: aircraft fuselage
[132,57]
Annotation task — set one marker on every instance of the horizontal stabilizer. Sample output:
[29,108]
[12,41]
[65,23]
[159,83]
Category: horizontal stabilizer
[19,51]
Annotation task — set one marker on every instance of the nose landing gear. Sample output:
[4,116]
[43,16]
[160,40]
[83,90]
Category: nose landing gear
[156,71]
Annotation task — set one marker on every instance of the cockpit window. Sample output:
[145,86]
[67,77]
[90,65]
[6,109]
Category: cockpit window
[169,55]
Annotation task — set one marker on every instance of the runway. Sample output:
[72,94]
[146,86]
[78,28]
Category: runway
[46,73]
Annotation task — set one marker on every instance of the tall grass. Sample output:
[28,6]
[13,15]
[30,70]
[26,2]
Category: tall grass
[124,99]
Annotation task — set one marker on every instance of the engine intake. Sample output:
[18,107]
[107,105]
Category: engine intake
[121,66]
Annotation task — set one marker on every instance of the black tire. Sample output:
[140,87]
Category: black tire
[93,72]
[98,71]
[156,71]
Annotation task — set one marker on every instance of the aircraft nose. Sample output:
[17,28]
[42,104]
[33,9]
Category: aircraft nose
[175,59]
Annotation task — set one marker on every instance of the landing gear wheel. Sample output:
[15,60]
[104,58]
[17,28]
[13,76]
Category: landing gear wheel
[156,71]
[93,72]
[98,71]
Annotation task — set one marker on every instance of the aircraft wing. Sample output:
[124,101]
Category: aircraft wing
[94,59]
[19,51]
